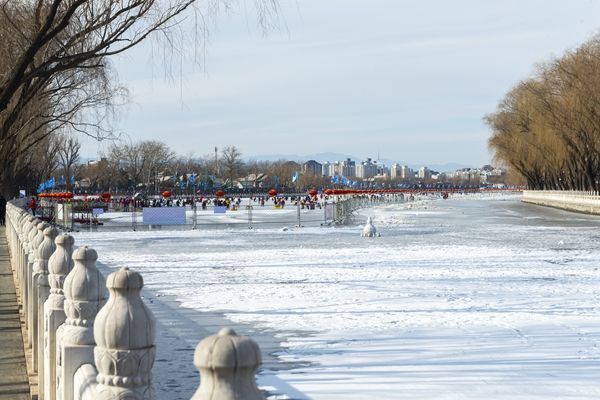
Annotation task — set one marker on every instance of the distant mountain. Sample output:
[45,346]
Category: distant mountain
[320,157]
[330,156]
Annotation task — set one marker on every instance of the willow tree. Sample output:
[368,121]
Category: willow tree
[55,62]
[547,128]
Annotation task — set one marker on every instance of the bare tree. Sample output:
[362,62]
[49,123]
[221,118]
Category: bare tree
[68,155]
[231,163]
[102,175]
[54,61]
[142,161]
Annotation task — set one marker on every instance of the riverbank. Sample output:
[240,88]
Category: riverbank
[582,202]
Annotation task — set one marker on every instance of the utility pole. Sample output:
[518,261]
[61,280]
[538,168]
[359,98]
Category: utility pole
[216,161]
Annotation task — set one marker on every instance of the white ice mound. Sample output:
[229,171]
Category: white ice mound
[369,230]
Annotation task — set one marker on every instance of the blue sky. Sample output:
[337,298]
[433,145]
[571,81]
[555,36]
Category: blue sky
[410,80]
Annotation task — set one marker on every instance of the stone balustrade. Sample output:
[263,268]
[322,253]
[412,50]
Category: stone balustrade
[88,344]
[580,201]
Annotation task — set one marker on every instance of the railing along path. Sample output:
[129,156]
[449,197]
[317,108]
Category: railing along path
[94,338]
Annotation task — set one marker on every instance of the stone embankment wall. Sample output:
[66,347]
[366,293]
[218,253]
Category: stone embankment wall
[584,202]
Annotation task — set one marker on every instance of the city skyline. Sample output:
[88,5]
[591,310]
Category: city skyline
[411,82]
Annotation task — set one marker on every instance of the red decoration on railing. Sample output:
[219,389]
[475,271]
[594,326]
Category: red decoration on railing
[219,193]
[166,194]
[272,192]
[105,196]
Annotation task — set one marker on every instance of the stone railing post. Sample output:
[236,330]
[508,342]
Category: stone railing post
[33,292]
[124,333]
[85,293]
[11,224]
[227,364]
[24,236]
[59,265]
[20,228]
[40,278]
[30,259]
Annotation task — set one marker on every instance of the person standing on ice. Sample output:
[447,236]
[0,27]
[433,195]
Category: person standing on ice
[32,205]
[2,209]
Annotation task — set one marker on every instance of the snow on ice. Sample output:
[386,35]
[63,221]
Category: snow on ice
[467,298]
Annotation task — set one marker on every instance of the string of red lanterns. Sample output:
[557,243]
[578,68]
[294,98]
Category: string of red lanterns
[56,195]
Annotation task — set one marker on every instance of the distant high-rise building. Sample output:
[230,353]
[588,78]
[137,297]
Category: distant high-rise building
[312,167]
[366,169]
[406,173]
[327,169]
[423,173]
[382,171]
[395,171]
[346,168]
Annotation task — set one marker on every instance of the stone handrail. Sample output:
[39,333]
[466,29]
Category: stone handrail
[580,201]
[89,345]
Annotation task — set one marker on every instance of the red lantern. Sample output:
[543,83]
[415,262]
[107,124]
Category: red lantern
[69,195]
[313,192]
[329,192]
[219,193]
[166,194]
[105,196]
[272,192]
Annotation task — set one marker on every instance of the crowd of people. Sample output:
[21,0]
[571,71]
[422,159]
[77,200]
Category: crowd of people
[127,203]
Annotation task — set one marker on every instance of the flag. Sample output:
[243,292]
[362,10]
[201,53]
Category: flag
[335,179]
[344,180]
[61,181]
[295,176]
[191,179]
[72,180]
[51,183]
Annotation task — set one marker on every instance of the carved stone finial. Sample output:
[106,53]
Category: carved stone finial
[124,331]
[227,364]
[60,264]
[85,293]
[46,247]
[36,235]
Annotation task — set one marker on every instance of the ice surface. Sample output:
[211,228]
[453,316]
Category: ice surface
[467,298]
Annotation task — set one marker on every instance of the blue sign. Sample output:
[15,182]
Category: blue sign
[164,216]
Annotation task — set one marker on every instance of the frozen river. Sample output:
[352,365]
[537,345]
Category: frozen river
[470,298]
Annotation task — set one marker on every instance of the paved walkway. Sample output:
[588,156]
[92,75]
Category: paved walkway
[14,384]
